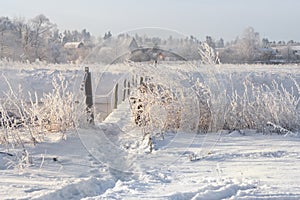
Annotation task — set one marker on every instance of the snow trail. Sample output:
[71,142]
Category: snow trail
[104,142]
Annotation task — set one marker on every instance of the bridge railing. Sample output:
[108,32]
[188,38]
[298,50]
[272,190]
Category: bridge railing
[99,106]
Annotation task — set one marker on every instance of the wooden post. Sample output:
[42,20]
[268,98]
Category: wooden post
[89,95]
[124,90]
[128,88]
[141,80]
[132,80]
[116,96]
[136,80]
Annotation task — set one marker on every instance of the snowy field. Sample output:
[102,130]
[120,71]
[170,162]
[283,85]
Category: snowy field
[111,160]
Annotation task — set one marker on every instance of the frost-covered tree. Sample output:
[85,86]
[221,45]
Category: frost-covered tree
[5,24]
[38,39]
[210,42]
[41,29]
[9,39]
[265,43]
[220,43]
[244,49]
[55,51]
[248,45]
[107,35]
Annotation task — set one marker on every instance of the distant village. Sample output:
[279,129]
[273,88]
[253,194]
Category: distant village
[38,39]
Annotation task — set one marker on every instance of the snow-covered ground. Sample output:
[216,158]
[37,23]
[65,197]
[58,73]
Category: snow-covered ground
[111,161]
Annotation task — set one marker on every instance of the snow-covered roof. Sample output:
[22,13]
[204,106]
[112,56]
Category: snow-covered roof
[73,45]
[295,48]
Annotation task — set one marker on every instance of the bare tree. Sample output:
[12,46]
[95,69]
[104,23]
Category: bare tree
[5,26]
[41,28]
[248,45]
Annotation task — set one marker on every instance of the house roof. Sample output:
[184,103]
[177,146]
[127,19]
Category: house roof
[73,45]
[121,42]
[295,48]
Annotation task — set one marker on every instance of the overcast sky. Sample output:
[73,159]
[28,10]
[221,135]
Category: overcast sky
[274,19]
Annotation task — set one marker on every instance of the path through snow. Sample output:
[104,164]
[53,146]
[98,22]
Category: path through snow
[109,161]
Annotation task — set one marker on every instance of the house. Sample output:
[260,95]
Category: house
[296,50]
[75,51]
[122,43]
[74,45]
[154,54]
[289,53]
[130,43]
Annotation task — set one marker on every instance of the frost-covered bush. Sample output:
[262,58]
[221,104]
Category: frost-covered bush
[204,100]
[155,109]
[25,123]
[242,102]
[14,118]
[57,111]
[260,105]
[208,55]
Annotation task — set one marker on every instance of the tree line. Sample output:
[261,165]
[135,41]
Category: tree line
[40,39]
[246,48]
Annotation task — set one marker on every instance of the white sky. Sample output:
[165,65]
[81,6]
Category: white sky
[274,19]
